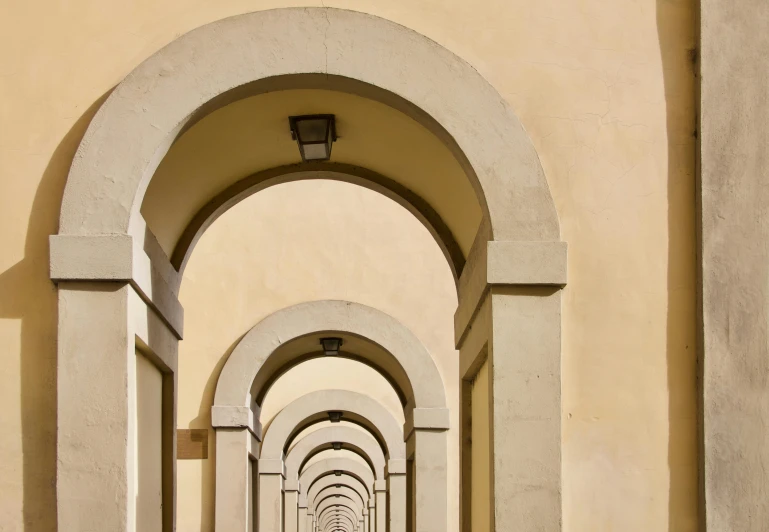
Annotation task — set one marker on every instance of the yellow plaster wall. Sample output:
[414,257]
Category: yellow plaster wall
[605,90]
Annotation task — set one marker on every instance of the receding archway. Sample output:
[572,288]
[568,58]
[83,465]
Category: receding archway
[256,358]
[330,482]
[328,466]
[341,491]
[340,468]
[323,507]
[103,239]
[357,441]
[343,484]
[354,407]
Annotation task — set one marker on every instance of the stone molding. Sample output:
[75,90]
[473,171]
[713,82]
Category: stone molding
[511,264]
[437,419]
[114,258]
[237,382]
[199,72]
[235,58]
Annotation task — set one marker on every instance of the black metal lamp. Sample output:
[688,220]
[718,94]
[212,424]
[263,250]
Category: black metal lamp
[331,346]
[338,472]
[335,416]
[337,445]
[314,134]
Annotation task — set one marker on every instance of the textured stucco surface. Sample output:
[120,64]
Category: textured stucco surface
[735,263]
[604,91]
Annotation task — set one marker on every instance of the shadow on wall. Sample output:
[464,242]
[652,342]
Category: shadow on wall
[676,28]
[27,294]
[203,421]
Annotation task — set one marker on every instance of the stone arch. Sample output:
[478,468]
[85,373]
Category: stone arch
[102,239]
[327,467]
[258,357]
[328,482]
[401,355]
[313,407]
[322,506]
[354,440]
[329,520]
[343,490]
[338,526]
[199,71]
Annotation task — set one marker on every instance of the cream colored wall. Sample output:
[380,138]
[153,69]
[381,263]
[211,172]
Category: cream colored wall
[605,91]
[149,438]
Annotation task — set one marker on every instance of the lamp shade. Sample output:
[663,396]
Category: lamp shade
[331,345]
[314,134]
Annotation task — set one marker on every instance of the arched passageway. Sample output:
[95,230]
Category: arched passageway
[111,261]
[348,438]
[258,350]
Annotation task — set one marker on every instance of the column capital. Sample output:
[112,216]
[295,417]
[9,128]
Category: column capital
[435,419]
[235,417]
[395,467]
[120,257]
[272,467]
[506,263]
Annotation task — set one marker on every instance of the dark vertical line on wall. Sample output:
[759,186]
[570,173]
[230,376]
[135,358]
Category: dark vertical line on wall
[411,495]
[168,424]
[676,27]
[465,453]
[489,359]
[696,60]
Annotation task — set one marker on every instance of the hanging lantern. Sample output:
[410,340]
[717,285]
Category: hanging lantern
[314,134]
